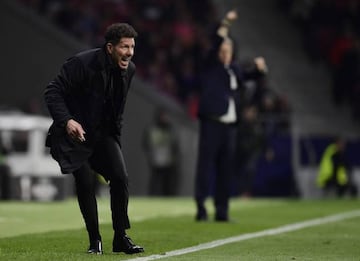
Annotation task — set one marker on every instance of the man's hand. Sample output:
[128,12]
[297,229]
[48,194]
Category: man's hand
[75,130]
[231,15]
[226,22]
[261,64]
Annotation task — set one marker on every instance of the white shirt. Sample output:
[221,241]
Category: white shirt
[230,115]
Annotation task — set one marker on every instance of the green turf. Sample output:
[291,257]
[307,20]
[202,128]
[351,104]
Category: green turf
[331,242]
[54,231]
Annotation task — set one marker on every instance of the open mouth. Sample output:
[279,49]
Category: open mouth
[124,62]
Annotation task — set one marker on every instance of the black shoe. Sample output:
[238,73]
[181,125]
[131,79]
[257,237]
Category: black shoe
[95,247]
[201,214]
[125,244]
[221,218]
[201,217]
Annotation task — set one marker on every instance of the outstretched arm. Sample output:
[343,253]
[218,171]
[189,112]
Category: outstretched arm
[230,17]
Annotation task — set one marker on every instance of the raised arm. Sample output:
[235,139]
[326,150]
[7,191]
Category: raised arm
[226,22]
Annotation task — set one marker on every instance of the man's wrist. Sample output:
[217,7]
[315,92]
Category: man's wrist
[64,123]
[226,22]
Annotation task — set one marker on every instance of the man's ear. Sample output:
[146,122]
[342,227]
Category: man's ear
[109,48]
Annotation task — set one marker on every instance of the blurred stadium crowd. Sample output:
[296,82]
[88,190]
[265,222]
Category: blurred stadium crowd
[161,58]
[330,33]
[173,40]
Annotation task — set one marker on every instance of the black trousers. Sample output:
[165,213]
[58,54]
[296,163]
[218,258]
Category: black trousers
[106,160]
[215,165]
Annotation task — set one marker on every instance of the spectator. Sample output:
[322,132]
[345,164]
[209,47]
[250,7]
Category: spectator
[161,147]
[251,143]
[335,171]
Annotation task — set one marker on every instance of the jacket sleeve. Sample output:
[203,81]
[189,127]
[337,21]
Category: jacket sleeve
[57,93]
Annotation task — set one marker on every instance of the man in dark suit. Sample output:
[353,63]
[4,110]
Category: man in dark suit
[86,101]
[219,92]
[221,99]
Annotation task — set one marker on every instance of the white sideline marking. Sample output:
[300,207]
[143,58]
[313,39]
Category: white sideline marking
[267,232]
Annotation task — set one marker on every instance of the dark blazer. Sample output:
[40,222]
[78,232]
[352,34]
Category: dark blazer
[214,84]
[215,91]
[79,92]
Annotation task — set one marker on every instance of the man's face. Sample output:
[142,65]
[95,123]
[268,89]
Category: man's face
[122,52]
[226,52]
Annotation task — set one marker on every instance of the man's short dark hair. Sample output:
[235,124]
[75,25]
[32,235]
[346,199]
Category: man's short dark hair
[117,31]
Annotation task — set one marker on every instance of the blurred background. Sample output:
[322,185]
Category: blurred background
[310,95]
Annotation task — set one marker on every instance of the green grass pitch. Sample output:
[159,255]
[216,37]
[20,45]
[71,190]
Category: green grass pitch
[55,231]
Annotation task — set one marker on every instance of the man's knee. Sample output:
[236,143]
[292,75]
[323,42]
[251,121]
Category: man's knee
[119,181]
[85,180]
